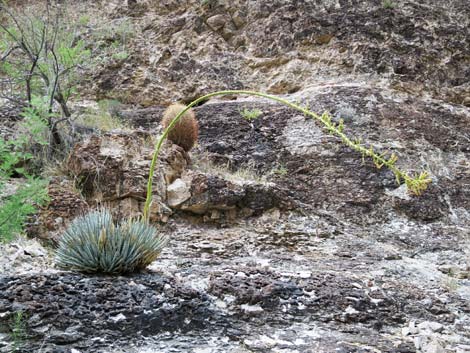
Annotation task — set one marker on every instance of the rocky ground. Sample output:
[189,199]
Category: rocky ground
[282,240]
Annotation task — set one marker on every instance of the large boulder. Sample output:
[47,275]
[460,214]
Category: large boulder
[221,199]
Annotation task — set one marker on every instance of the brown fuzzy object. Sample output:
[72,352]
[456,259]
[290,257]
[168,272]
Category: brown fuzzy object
[186,130]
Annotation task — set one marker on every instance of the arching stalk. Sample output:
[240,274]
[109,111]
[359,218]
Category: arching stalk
[415,184]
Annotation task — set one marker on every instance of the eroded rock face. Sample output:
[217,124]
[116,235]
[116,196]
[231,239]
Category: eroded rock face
[65,203]
[307,166]
[344,259]
[112,169]
[73,310]
[185,49]
[319,172]
[221,199]
[89,313]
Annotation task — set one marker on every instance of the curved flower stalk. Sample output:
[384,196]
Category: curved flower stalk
[416,184]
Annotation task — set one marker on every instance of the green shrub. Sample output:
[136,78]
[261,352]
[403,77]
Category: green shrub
[17,207]
[250,114]
[43,54]
[121,55]
[94,243]
[18,330]
[18,157]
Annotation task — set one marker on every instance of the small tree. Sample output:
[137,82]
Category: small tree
[40,56]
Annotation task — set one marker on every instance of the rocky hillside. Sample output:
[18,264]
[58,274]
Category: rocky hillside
[182,49]
[282,238]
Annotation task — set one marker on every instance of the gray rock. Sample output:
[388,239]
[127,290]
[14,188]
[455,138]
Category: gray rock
[177,193]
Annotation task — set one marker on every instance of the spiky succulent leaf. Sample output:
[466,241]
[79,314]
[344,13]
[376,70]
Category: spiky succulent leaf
[94,243]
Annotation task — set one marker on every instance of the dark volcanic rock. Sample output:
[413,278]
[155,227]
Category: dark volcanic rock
[321,173]
[212,195]
[426,207]
[323,297]
[89,312]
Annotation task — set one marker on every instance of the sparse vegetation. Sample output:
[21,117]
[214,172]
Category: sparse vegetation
[121,55]
[250,114]
[281,170]
[117,31]
[186,129]
[84,20]
[94,243]
[243,174]
[103,118]
[41,57]
[111,40]
[388,4]
[18,330]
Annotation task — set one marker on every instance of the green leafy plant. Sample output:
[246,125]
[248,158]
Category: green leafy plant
[250,114]
[18,330]
[84,20]
[388,4]
[94,243]
[17,207]
[19,200]
[121,55]
[416,184]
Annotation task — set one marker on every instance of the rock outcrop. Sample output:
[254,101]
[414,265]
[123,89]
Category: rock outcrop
[112,169]
[65,203]
[182,50]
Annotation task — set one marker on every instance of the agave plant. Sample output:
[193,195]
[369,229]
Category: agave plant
[94,243]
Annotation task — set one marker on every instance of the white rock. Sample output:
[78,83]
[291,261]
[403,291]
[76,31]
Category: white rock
[34,249]
[432,347]
[431,326]
[118,318]
[350,310]
[412,328]
[177,193]
[251,308]
[463,348]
